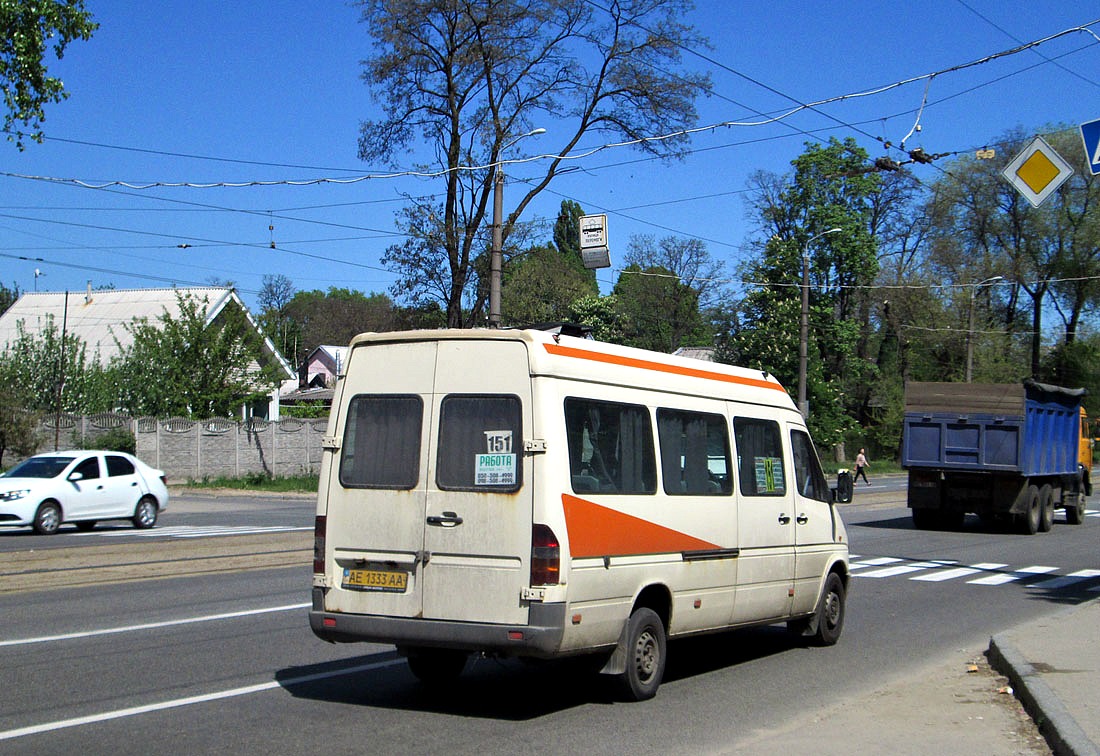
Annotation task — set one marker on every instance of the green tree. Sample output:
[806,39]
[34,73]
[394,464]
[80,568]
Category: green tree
[567,236]
[36,365]
[8,296]
[182,366]
[541,285]
[830,187]
[334,317]
[467,78]
[658,311]
[601,315]
[276,294]
[18,426]
[26,29]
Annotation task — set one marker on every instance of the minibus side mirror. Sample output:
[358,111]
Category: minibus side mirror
[842,494]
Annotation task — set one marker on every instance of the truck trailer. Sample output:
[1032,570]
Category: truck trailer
[1010,453]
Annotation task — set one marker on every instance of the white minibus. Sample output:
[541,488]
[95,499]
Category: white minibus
[532,494]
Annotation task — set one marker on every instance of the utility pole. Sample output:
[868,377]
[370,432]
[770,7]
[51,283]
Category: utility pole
[496,257]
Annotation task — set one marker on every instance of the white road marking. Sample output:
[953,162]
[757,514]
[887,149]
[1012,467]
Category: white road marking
[901,569]
[192,531]
[941,575]
[153,625]
[179,702]
[876,562]
[1064,580]
[1008,577]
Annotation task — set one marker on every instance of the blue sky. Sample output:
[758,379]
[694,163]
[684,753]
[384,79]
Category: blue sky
[214,92]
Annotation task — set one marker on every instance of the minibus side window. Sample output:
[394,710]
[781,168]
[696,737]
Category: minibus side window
[381,446]
[480,444]
[807,469]
[610,447]
[760,469]
[695,453]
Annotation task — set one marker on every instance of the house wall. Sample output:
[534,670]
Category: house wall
[192,449]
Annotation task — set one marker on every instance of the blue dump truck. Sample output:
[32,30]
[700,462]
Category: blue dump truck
[1010,453]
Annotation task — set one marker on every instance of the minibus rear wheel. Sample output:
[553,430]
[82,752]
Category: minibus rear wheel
[645,660]
[436,665]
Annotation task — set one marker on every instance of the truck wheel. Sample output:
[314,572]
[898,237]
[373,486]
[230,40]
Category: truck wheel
[436,665]
[645,655]
[1075,514]
[1029,520]
[1046,509]
[925,519]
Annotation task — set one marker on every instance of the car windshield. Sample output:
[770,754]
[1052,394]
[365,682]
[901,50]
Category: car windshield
[40,467]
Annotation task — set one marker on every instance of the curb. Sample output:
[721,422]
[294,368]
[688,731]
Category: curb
[1064,736]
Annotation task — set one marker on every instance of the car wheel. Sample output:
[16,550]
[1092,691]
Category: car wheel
[830,611]
[645,655]
[1075,513]
[85,525]
[145,516]
[48,518]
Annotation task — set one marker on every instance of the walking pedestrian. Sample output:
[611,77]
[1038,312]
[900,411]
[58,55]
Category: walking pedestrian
[861,467]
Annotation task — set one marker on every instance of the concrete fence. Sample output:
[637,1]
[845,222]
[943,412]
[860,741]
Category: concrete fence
[196,449]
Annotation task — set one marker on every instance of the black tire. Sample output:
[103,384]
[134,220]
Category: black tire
[645,655]
[1075,514]
[48,518]
[952,520]
[1046,509]
[433,666]
[830,611]
[925,519]
[1029,520]
[85,525]
[145,513]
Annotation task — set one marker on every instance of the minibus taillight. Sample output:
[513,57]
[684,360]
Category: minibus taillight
[319,545]
[545,556]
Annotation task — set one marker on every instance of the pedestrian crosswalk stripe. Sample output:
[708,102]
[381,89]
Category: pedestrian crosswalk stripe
[900,569]
[1064,580]
[1008,577]
[941,575]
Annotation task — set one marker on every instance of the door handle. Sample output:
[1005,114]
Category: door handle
[784,519]
[447,520]
[802,519]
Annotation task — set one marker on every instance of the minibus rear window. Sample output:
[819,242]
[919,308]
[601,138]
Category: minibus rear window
[480,444]
[381,446]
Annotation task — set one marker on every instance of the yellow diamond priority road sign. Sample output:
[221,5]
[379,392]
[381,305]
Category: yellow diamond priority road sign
[1037,171]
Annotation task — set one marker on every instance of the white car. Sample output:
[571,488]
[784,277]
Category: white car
[81,487]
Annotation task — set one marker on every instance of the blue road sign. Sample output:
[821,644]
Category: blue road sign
[1090,135]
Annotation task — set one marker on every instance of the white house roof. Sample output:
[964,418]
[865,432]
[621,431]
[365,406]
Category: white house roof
[99,317]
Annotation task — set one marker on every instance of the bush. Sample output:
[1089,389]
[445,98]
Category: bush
[116,439]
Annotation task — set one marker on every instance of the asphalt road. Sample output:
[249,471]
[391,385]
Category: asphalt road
[224,659]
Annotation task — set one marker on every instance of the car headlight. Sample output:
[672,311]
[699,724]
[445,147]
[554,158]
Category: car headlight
[13,495]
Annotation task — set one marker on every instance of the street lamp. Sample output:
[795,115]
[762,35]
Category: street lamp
[497,254]
[970,324]
[804,330]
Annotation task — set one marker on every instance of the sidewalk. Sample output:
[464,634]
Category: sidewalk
[1054,666]
[978,703]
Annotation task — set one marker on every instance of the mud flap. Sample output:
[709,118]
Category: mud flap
[616,663]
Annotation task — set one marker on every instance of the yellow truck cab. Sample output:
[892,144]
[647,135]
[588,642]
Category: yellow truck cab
[528,493]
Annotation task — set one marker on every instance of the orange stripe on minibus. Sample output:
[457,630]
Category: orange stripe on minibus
[614,359]
[596,531]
